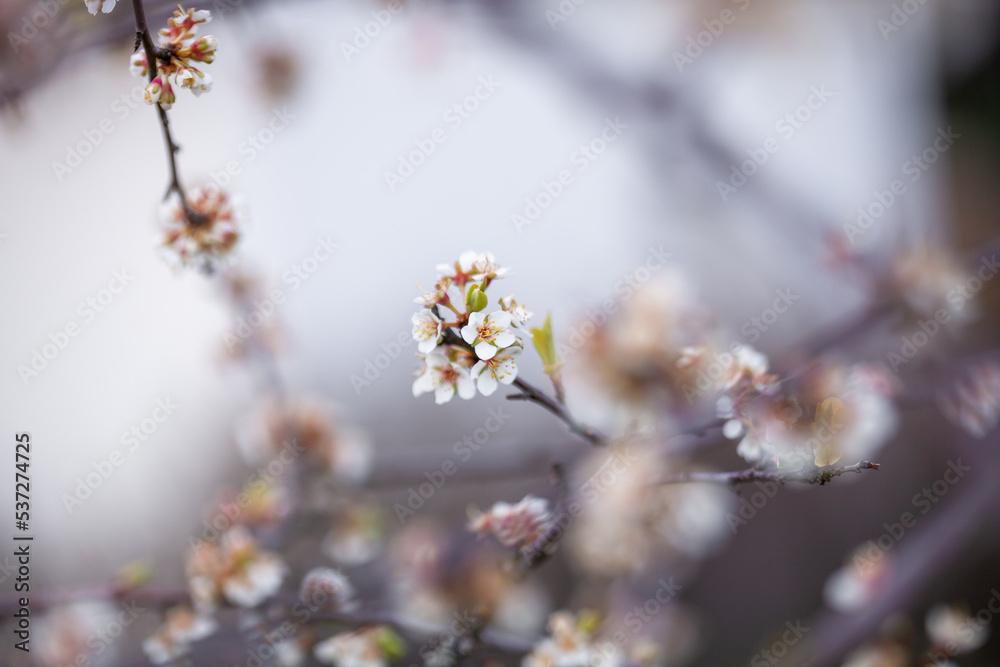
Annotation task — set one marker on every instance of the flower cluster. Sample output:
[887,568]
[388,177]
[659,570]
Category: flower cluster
[518,524]
[571,644]
[204,232]
[326,588]
[179,47]
[475,349]
[234,569]
[368,647]
[173,639]
[817,418]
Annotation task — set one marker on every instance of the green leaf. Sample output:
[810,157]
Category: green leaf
[545,344]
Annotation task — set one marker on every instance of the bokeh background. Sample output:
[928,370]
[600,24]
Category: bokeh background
[560,80]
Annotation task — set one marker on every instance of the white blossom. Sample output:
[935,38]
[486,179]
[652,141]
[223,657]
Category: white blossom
[521,523]
[93,6]
[501,369]
[489,333]
[445,378]
[426,330]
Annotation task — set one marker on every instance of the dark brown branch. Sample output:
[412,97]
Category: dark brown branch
[820,476]
[531,393]
[142,35]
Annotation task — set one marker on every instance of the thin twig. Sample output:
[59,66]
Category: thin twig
[820,476]
[531,393]
[143,36]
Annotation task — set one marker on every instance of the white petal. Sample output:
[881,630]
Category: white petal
[427,346]
[485,351]
[469,333]
[505,371]
[467,259]
[444,393]
[504,339]
[499,319]
[487,384]
[423,384]
[477,319]
[466,387]
[733,429]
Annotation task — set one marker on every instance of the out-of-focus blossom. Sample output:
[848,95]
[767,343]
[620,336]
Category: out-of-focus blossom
[859,581]
[173,639]
[514,525]
[279,70]
[485,268]
[651,352]
[974,402]
[880,655]
[67,632]
[327,589]
[368,647]
[206,234]
[234,569]
[489,334]
[953,629]
[570,644]
[628,521]
[445,378]
[94,6]
[356,535]
[829,413]
[746,365]
[284,430]
[925,277]
[461,271]
[498,370]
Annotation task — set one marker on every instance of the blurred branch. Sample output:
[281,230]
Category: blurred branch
[531,393]
[821,476]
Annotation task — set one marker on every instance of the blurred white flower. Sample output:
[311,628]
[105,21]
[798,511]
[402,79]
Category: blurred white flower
[952,627]
[518,524]
[363,648]
[235,569]
[974,402]
[569,645]
[327,588]
[173,639]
